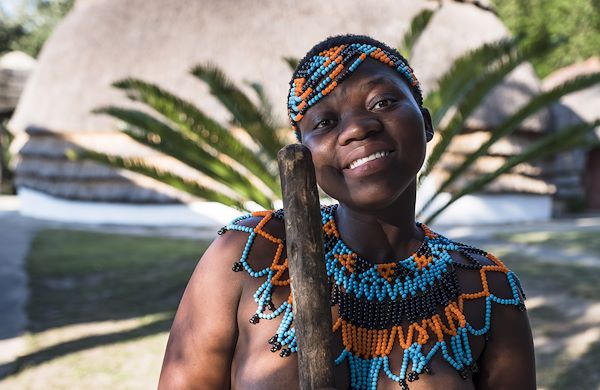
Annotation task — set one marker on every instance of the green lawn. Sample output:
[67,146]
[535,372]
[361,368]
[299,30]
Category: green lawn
[582,241]
[100,308]
[564,318]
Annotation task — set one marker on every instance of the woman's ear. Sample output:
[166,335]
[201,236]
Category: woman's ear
[428,124]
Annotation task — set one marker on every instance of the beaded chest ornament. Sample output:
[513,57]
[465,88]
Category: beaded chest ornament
[374,300]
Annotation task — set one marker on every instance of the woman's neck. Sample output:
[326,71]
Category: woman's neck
[384,235]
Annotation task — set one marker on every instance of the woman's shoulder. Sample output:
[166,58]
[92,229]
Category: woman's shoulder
[482,274]
[256,237]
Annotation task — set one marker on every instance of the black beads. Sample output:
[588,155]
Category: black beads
[254,320]
[222,231]
[521,306]
[237,267]
[276,347]
[285,352]
[413,376]
[474,367]
[403,384]
[271,306]
[428,370]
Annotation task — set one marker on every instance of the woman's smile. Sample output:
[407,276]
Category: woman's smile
[373,163]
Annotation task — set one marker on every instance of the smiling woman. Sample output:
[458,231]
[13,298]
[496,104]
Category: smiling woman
[406,301]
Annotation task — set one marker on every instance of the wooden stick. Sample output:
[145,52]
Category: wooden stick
[306,264]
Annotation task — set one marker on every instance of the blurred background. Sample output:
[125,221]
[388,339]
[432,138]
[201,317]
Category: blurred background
[131,131]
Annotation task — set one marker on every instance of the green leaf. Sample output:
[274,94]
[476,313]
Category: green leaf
[168,178]
[566,138]
[540,101]
[266,107]
[418,24]
[193,122]
[245,113]
[160,136]
[292,62]
[470,99]
[460,78]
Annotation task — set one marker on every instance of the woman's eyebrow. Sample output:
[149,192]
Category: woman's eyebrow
[379,81]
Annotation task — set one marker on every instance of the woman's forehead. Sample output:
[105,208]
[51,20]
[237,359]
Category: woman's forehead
[319,74]
[369,76]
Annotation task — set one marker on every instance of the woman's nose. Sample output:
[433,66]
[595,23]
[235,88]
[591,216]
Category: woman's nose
[357,127]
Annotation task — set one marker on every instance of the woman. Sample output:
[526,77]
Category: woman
[409,306]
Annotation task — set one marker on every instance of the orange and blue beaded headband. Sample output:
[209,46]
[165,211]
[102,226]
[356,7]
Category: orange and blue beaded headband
[323,72]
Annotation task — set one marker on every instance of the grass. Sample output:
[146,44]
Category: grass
[573,241]
[100,308]
[565,296]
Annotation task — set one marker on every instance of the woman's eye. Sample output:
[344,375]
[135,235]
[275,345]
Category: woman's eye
[382,103]
[323,123]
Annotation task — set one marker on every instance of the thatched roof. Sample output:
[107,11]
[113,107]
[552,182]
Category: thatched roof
[15,67]
[457,29]
[160,40]
[102,41]
[580,105]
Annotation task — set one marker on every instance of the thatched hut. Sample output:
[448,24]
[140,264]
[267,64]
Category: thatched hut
[15,68]
[471,27]
[107,40]
[576,174]
[103,41]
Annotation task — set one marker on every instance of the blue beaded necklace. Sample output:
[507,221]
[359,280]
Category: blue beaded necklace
[375,302]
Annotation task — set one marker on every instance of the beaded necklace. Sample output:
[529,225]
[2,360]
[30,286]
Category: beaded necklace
[374,300]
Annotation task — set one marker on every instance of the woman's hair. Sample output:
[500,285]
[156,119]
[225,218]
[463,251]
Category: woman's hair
[330,62]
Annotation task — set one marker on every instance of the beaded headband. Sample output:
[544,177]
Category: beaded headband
[320,74]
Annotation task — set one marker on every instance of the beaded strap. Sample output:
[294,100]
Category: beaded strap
[319,76]
[375,299]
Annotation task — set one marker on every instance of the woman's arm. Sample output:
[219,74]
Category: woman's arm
[203,336]
[508,360]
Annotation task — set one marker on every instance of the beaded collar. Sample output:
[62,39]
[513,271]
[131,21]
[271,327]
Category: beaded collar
[384,309]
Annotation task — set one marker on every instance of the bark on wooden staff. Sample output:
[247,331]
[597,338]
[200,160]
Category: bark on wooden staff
[304,243]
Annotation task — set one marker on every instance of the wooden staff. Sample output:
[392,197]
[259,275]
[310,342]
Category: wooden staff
[304,243]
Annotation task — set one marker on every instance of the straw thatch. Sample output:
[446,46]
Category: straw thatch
[158,40]
[15,68]
[576,173]
[455,30]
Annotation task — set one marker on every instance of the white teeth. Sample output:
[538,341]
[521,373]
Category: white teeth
[363,160]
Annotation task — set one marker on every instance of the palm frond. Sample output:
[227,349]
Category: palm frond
[418,24]
[193,122]
[160,136]
[266,107]
[168,178]
[244,112]
[471,99]
[292,62]
[461,77]
[509,125]
[566,138]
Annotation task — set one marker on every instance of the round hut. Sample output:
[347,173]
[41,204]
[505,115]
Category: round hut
[576,173]
[521,194]
[102,41]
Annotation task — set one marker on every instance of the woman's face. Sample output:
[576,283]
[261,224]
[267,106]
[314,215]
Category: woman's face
[367,137]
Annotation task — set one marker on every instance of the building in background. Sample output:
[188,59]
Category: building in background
[103,41]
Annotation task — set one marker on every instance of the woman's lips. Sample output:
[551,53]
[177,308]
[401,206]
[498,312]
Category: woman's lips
[371,166]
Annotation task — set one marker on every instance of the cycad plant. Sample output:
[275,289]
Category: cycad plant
[459,93]
[181,130]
